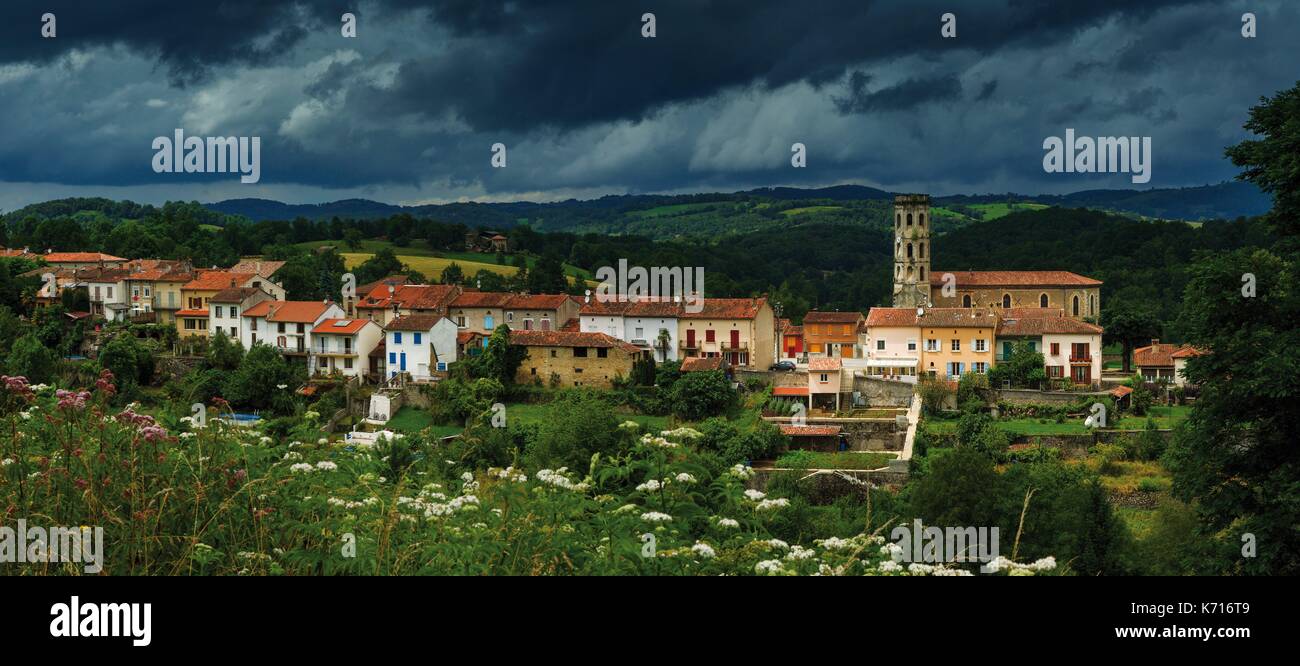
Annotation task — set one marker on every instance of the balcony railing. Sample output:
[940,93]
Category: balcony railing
[1086,358]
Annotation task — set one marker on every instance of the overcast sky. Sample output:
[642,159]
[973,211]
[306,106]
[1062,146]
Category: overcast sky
[407,111]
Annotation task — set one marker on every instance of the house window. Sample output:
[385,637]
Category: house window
[347,363]
[279,327]
[234,312]
[1006,300]
[965,301]
[417,338]
[392,358]
[1056,349]
[640,334]
[932,345]
[980,367]
[218,311]
[1076,306]
[824,378]
[981,345]
[397,337]
[580,352]
[956,344]
[1042,300]
[552,353]
[602,352]
[911,345]
[1055,371]
[510,316]
[709,335]
[880,345]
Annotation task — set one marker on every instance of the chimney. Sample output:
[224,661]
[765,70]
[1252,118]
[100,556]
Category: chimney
[1155,341]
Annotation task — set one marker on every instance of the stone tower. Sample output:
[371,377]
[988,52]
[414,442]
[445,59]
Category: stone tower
[911,250]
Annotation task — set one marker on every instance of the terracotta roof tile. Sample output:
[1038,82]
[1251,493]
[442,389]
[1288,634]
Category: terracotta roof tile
[891,317]
[258,267]
[958,317]
[1033,326]
[235,295]
[820,317]
[217,280]
[78,257]
[824,364]
[341,326]
[420,321]
[569,339]
[299,312]
[702,363]
[1160,354]
[1014,279]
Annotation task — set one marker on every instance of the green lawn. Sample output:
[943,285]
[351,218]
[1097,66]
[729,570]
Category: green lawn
[995,210]
[802,459]
[423,258]
[1165,417]
[523,413]
[413,419]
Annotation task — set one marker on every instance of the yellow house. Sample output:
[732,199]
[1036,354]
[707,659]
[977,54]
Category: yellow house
[192,318]
[741,330]
[956,341]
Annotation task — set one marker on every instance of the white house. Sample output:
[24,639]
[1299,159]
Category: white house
[1071,348]
[419,345]
[107,290]
[648,324]
[892,342]
[286,325]
[341,346]
[225,309]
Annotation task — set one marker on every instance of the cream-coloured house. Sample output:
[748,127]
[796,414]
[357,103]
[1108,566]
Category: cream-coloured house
[955,341]
[892,340]
[742,330]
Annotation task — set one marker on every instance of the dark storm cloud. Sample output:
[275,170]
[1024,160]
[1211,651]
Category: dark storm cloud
[902,95]
[586,105]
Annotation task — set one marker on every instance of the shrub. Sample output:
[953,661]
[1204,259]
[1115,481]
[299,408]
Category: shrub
[698,395]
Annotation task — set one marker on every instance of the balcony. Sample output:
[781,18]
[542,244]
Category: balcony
[1085,359]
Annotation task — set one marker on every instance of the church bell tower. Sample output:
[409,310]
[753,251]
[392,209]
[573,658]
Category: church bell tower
[912,250]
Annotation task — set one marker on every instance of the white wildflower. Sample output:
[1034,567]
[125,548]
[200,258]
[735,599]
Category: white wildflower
[326,465]
[704,550]
[656,517]
[728,523]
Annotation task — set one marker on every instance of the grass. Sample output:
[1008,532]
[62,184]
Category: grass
[412,420]
[1140,521]
[809,209]
[537,413]
[1129,476]
[419,256]
[995,210]
[1165,416]
[803,459]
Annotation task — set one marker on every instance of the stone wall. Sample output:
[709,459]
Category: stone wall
[591,371]
[827,486]
[884,392]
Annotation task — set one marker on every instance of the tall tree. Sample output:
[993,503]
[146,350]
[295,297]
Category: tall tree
[1236,456]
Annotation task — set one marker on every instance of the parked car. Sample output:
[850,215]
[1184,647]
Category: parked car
[782,366]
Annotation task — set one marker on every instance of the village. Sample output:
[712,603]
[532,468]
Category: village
[837,381]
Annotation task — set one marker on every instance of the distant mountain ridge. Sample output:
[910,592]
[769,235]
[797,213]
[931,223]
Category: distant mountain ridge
[1227,200]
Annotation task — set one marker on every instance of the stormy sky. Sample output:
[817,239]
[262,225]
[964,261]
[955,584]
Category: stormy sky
[407,111]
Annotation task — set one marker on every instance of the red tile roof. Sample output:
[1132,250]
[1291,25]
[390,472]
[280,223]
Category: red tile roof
[481,299]
[300,312]
[509,301]
[789,390]
[793,330]
[709,308]
[824,364]
[467,336]
[1014,279]
[413,322]
[1188,351]
[217,280]
[235,295]
[569,339]
[1014,313]
[1034,326]
[571,325]
[78,257]
[411,296]
[256,266]
[819,317]
[891,317]
[191,313]
[702,363]
[809,431]
[341,326]
[1156,355]
[957,317]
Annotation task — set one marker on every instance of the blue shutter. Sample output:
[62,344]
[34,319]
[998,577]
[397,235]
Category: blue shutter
[397,337]
[417,338]
[392,358]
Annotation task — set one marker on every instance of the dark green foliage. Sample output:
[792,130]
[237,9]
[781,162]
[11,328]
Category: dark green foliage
[31,359]
[580,424]
[698,395]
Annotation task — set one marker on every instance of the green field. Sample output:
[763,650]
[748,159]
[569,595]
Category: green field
[810,209]
[419,256]
[537,413]
[1165,417]
[410,420]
